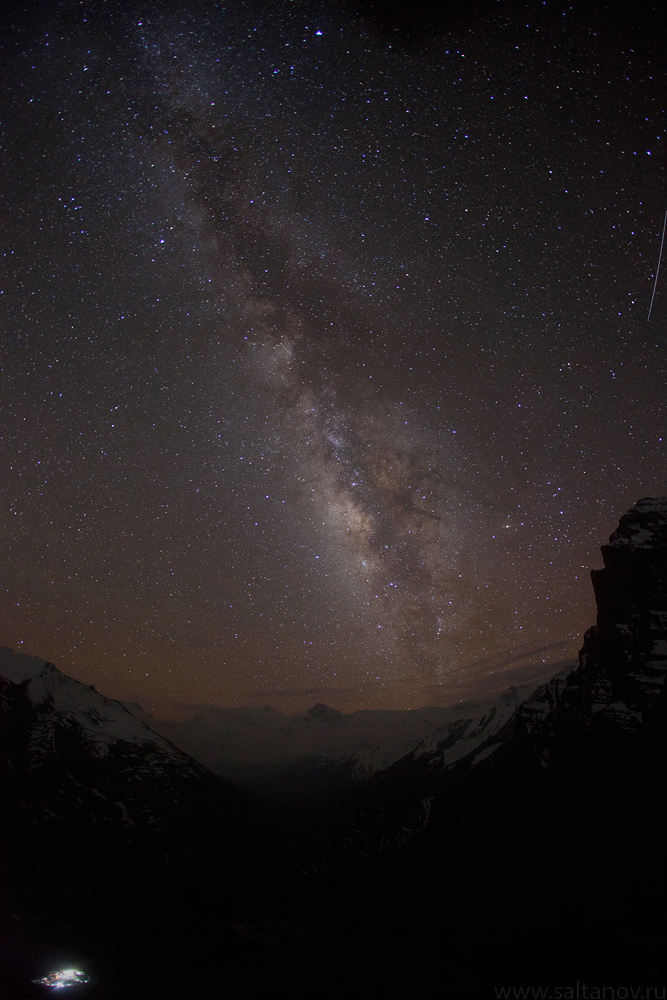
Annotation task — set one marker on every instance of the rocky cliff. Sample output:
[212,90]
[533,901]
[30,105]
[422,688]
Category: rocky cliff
[618,687]
[629,643]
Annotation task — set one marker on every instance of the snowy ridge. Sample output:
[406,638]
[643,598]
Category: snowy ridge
[248,745]
[322,752]
[446,747]
[235,741]
[61,699]
[86,778]
[547,699]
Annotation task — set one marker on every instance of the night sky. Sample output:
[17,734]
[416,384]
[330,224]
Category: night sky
[326,366]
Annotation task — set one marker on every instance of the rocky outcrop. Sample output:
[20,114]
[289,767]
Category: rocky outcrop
[629,643]
[620,680]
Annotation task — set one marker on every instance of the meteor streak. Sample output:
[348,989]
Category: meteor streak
[657,270]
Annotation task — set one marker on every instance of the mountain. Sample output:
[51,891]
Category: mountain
[316,755]
[68,751]
[107,829]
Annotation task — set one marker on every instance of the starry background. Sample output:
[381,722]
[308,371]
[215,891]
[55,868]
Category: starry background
[326,366]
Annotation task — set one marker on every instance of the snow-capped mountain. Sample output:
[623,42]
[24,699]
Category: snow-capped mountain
[246,741]
[59,700]
[322,752]
[42,708]
[92,795]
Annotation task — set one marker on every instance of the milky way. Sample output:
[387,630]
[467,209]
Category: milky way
[373,468]
[326,360]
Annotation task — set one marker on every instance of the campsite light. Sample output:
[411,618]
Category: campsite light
[62,978]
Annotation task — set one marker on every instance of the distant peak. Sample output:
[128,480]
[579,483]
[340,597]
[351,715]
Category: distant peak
[324,713]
